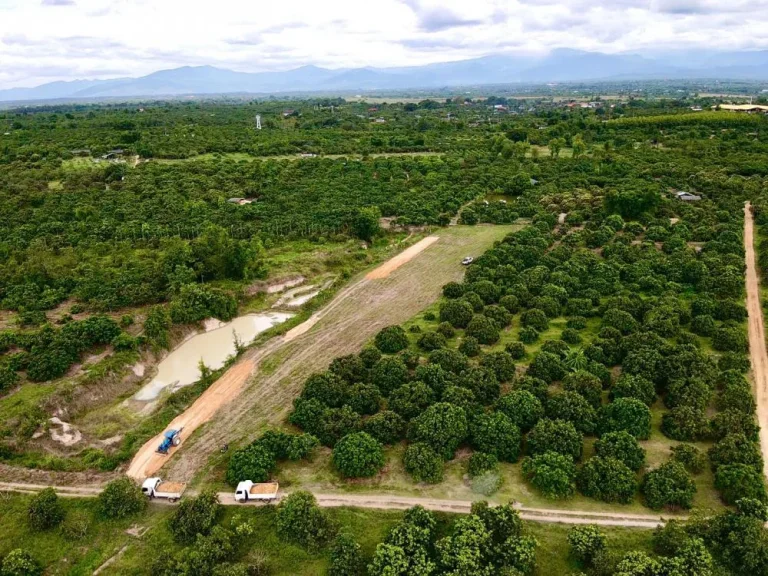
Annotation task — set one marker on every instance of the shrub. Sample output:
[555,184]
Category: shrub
[736,397]
[733,422]
[449,360]
[358,455]
[625,414]
[195,516]
[369,356]
[484,329]
[391,340]
[511,303]
[481,462]
[730,339]
[496,434]
[469,346]
[633,386]
[446,330]
[689,456]
[442,426]
[516,350]
[389,374]
[703,325]
[457,313]
[19,563]
[555,436]
[684,423]
[522,408]
[622,446]
[733,361]
[607,479]
[528,335]
[736,449]
[570,336]
[254,463]
[301,521]
[387,427]
[586,384]
[546,366]
[431,341]
[736,481]
[196,302]
[121,498]
[423,463]
[76,525]
[501,364]
[571,407]
[411,399]
[535,318]
[346,556]
[482,382]
[668,486]
[498,314]
[364,398]
[576,323]
[326,387]
[453,290]
[45,510]
[586,542]
[551,473]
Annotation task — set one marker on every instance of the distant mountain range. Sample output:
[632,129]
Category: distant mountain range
[562,65]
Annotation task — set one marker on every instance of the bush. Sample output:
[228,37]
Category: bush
[369,356]
[346,557]
[689,456]
[733,361]
[633,386]
[571,407]
[254,463]
[442,426]
[516,350]
[570,336]
[730,339]
[411,399]
[528,335]
[45,510]
[481,382]
[586,384]
[555,436]
[484,329]
[301,521]
[449,360]
[358,455]
[481,462]
[19,563]
[389,374]
[195,516]
[446,330]
[547,367]
[522,408]
[391,340]
[535,318]
[684,423]
[576,323]
[703,325]
[196,302]
[496,434]
[607,479]
[668,486]
[498,314]
[733,422]
[457,313]
[622,446]
[423,463]
[551,473]
[586,542]
[469,346]
[511,303]
[364,399]
[387,427]
[431,341]
[453,290]
[736,481]
[736,449]
[625,414]
[501,364]
[121,498]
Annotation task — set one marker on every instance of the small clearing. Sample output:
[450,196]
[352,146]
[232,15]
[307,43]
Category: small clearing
[405,256]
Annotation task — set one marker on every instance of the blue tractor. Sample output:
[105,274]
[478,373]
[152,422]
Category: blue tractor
[170,438]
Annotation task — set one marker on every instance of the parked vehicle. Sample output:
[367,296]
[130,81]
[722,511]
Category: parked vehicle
[171,438]
[156,488]
[247,490]
[468,260]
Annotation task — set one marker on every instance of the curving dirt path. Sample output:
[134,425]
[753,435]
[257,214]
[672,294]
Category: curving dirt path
[757,351]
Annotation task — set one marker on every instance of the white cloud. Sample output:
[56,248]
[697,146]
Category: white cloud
[45,40]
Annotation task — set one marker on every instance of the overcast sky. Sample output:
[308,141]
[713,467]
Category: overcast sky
[46,40]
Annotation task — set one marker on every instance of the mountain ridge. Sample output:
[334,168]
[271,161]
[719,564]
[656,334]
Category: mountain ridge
[560,65]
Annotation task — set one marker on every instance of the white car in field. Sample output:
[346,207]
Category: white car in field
[468,260]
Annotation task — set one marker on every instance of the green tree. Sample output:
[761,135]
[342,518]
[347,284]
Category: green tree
[423,463]
[555,436]
[366,223]
[346,556]
[586,543]
[522,408]
[736,481]
[121,498]
[622,446]
[668,486]
[195,516]
[494,433]
[607,479]
[627,414]
[442,426]
[551,473]
[301,521]
[358,455]
[45,510]
[254,463]
[391,340]
[19,563]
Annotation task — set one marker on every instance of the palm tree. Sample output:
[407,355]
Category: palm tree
[575,360]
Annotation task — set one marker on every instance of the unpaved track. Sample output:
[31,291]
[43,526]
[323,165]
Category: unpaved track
[757,352]
[352,318]
[392,502]
[405,256]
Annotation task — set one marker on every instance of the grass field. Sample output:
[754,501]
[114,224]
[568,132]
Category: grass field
[76,557]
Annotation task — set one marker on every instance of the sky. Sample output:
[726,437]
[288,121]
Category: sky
[47,40]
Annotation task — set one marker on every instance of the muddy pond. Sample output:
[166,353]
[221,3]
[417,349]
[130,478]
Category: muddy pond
[180,368]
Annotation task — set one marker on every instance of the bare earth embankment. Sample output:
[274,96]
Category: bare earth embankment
[757,352]
[342,327]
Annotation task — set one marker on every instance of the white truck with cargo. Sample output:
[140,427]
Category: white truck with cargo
[157,488]
[248,491]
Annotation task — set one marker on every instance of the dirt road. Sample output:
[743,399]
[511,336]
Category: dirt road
[757,352]
[147,461]
[342,327]
[390,502]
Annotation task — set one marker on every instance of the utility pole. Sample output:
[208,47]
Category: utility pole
[258,121]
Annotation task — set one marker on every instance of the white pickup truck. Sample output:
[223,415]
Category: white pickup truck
[156,488]
[247,490]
